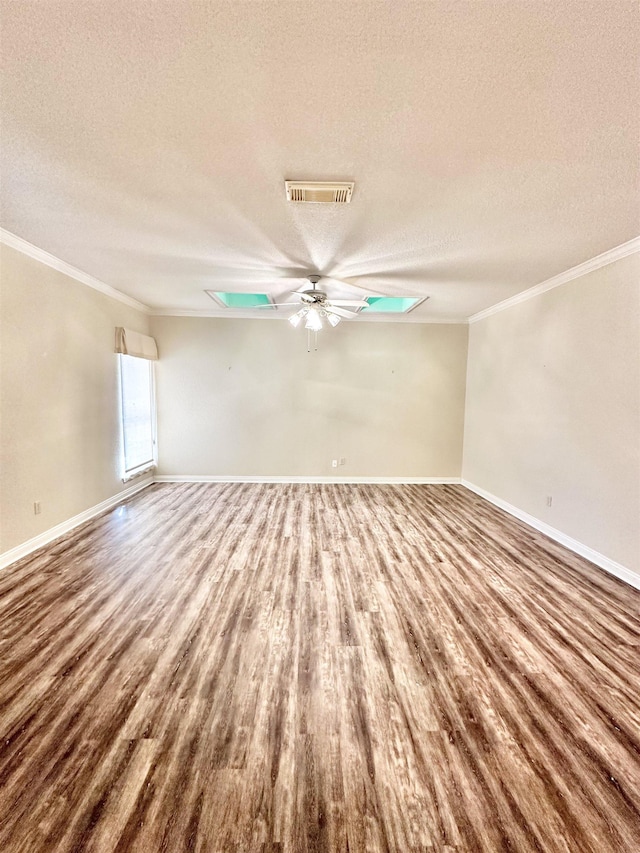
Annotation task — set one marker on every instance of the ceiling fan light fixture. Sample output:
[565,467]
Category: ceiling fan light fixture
[297,318]
[333,319]
[314,321]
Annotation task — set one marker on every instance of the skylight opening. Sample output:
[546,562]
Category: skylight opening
[391,304]
[240,300]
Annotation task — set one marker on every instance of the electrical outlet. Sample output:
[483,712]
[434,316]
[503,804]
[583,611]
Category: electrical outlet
[334,463]
[549,500]
[36,507]
[342,460]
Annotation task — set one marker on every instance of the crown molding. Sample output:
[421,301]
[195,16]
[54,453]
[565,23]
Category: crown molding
[26,248]
[603,260]
[219,314]
[231,314]
[609,257]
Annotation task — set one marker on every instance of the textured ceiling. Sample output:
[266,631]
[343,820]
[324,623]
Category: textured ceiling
[493,144]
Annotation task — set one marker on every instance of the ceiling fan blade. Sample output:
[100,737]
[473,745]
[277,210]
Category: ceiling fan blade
[341,312]
[349,303]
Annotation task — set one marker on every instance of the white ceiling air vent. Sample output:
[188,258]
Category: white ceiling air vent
[319,191]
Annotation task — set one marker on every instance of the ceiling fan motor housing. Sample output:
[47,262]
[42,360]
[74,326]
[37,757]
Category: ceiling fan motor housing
[315,296]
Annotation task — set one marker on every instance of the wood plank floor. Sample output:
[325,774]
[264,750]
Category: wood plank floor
[261,668]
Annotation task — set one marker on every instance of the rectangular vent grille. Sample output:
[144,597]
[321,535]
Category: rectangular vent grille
[319,192]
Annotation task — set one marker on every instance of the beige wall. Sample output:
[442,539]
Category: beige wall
[553,408]
[552,402]
[244,397]
[59,429]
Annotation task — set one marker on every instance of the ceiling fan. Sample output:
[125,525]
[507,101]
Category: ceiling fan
[315,307]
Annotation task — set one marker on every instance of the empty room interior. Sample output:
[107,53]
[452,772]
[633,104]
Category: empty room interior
[320,426]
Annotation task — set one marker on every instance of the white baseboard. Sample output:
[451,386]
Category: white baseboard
[193,478]
[616,569]
[31,545]
[610,566]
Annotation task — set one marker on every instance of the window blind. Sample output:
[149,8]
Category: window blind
[136,344]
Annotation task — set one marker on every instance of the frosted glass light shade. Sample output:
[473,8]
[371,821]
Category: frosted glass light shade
[314,321]
[296,319]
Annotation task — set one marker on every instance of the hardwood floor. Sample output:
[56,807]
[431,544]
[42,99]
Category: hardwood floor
[244,668]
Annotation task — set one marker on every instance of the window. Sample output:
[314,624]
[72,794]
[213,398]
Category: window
[138,410]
